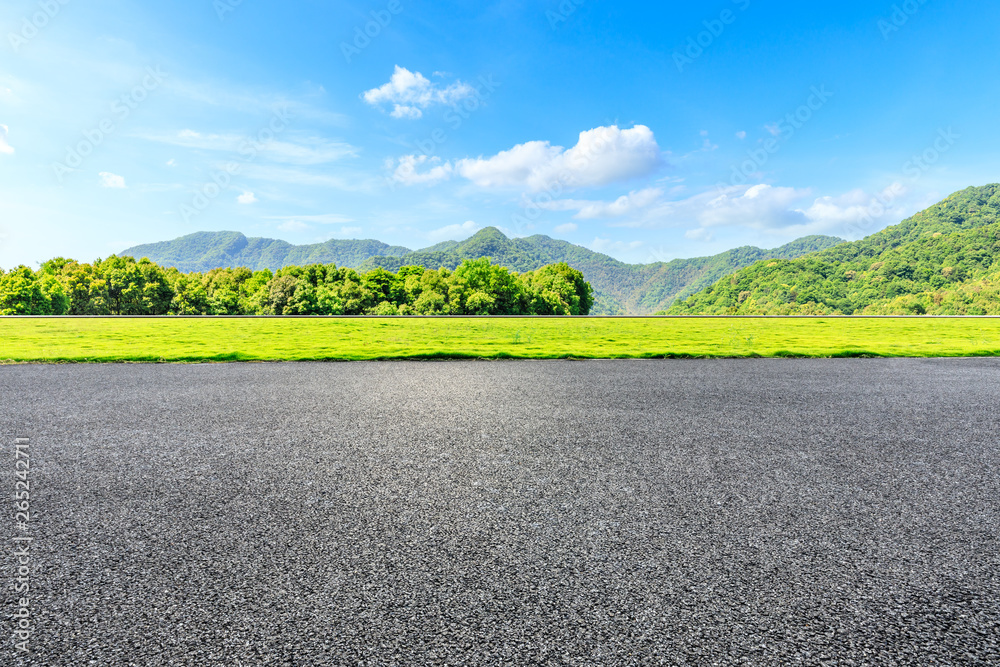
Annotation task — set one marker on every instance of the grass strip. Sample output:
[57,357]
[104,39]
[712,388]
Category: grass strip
[344,339]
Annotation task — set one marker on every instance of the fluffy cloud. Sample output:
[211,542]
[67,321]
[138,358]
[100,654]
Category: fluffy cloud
[410,93]
[247,198]
[5,147]
[109,180]
[761,206]
[602,156]
[454,232]
[858,208]
[624,205]
[406,170]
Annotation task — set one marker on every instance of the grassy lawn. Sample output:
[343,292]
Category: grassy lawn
[208,339]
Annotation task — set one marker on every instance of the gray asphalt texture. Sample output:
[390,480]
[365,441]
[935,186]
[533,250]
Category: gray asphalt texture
[485,513]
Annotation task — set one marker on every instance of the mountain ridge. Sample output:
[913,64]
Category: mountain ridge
[944,260]
[620,288]
[204,251]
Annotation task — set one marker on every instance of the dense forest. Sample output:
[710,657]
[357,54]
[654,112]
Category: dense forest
[619,288]
[942,261]
[124,286]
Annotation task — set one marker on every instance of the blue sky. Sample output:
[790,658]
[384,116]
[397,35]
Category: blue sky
[645,130]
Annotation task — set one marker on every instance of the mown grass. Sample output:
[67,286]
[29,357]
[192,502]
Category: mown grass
[227,340]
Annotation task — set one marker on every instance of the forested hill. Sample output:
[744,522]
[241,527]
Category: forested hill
[620,288]
[943,261]
[204,251]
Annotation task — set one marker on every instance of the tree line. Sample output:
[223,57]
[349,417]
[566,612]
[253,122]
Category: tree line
[125,286]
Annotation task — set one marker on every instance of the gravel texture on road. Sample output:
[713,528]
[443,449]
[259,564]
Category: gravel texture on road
[757,512]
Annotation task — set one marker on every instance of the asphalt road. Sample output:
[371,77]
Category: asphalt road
[622,512]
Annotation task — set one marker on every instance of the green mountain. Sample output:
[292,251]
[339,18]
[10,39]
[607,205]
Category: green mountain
[944,260]
[204,251]
[620,288]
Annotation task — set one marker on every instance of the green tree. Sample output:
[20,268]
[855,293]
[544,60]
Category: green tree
[21,293]
[478,287]
[558,289]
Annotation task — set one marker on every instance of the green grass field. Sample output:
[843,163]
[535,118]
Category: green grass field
[210,339]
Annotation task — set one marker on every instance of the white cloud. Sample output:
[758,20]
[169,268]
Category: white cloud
[293,226]
[410,93]
[405,171]
[761,206]
[624,205]
[247,198]
[5,147]
[454,232]
[857,213]
[568,228]
[171,163]
[602,156]
[741,135]
[109,180]
[349,231]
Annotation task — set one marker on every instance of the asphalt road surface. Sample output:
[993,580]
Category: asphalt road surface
[587,513]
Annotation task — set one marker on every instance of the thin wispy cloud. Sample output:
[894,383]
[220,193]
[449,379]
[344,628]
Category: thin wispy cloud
[293,226]
[113,181]
[5,147]
[324,219]
[454,232]
[624,205]
[298,151]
